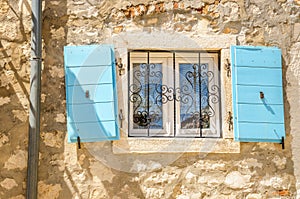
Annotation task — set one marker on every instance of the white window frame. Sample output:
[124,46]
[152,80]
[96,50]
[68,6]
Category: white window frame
[127,41]
[143,132]
[215,130]
[166,59]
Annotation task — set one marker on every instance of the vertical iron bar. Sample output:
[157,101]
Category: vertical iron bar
[174,86]
[200,93]
[148,91]
[195,91]
[129,105]
[219,91]
[35,93]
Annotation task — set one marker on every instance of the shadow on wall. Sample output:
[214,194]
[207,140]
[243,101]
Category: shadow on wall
[13,127]
[19,39]
[14,98]
[53,125]
[287,107]
[73,173]
[64,171]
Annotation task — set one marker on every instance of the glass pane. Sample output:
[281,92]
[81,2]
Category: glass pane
[147,106]
[193,95]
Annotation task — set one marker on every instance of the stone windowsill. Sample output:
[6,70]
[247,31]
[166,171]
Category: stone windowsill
[175,145]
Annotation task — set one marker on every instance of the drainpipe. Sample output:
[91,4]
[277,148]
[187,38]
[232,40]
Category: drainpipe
[35,95]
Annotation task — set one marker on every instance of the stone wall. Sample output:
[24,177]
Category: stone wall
[260,170]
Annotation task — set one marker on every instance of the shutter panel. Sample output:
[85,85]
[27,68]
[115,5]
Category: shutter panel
[258,114]
[91,93]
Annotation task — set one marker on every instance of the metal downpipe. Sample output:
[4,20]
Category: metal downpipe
[35,95]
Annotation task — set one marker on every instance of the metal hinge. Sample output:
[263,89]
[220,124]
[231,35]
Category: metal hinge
[121,118]
[229,121]
[227,68]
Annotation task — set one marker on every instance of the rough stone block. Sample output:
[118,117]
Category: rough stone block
[235,180]
[8,183]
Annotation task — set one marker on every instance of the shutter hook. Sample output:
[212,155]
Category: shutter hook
[282,142]
[78,142]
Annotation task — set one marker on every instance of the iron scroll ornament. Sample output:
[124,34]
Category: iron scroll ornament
[146,113]
[197,89]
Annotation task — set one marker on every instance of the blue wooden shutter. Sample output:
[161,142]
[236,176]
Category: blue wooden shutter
[91,93]
[258,114]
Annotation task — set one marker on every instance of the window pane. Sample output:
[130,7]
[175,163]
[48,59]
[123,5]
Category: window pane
[147,106]
[193,95]
[174,94]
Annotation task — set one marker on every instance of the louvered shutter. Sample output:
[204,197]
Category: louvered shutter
[91,93]
[258,110]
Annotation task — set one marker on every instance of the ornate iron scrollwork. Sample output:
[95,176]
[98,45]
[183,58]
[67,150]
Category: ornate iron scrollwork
[146,112]
[197,94]
[141,118]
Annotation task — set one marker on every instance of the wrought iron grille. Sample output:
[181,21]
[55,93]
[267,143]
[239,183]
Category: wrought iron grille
[194,93]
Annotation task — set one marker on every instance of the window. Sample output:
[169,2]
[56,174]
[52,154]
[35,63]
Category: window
[169,130]
[174,94]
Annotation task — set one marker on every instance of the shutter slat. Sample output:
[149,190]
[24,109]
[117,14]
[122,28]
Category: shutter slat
[92,131]
[251,94]
[77,94]
[85,56]
[256,57]
[259,132]
[260,113]
[89,75]
[92,112]
[259,76]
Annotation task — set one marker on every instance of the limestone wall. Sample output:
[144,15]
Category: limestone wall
[260,170]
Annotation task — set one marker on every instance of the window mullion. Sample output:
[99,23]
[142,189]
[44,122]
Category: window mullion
[148,92]
[200,92]
[128,90]
[174,94]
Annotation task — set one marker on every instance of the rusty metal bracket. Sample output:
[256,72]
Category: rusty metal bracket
[120,65]
[227,68]
[282,142]
[261,95]
[121,118]
[229,121]
[78,142]
[87,94]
